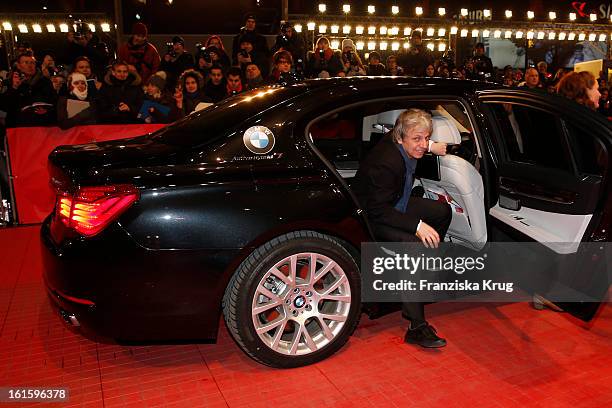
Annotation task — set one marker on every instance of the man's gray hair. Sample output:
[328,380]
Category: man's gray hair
[410,120]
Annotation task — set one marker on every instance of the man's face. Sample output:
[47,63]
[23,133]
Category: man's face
[252,71]
[415,143]
[479,51]
[58,82]
[250,24]
[139,39]
[216,76]
[178,47]
[532,78]
[283,65]
[83,67]
[374,61]
[233,81]
[27,65]
[247,46]
[322,45]
[593,94]
[120,72]
[391,63]
[191,85]
[542,68]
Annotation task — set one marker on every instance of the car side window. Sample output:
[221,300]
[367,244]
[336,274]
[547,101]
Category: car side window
[532,136]
[589,152]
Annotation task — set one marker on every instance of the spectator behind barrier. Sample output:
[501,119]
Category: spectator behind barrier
[190,92]
[83,42]
[30,98]
[253,76]
[233,78]
[392,67]
[212,53]
[215,87]
[82,65]
[140,53]
[258,41]
[375,67]
[176,61]
[159,105]
[283,73]
[120,98]
[532,79]
[323,62]
[350,59]
[248,54]
[289,40]
[417,58]
[78,106]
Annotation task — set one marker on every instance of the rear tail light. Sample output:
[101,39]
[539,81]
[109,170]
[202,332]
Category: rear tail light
[91,209]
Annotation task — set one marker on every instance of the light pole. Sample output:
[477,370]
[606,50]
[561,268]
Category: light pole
[118,21]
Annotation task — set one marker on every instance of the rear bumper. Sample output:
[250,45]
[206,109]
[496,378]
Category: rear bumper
[117,289]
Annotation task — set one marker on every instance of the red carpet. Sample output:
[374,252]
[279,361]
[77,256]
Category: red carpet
[499,355]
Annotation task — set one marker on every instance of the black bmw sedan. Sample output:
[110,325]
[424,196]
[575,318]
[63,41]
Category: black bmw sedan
[245,209]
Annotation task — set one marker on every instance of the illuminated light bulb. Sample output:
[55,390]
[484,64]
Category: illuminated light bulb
[541,35]
[395,9]
[519,34]
[530,15]
[63,27]
[464,33]
[571,36]
[371,45]
[359,30]
[383,45]
[335,29]
[346,29]
[310,26]
[508,13]
[464,12]
[51,28]
[508,34]
[7,26]
[497,34]
[431,46]
[383,30]
[407,31]
[92,28]
[430,31]
[441,32]
[36,28]
[486,13]
[419,11]
[360,45]
[562,36]
[454,30]
[475,33]
[371,9]
[602,37]
[22,28]
[593,17]
[335,44]
[442,47]
[406,45]
[371,30]
[530,35]
[486,33]
[442,11]
[552,35]
[346,8]
[552,15]
[297,28]
[572,16]
[395,46]
[581,37]
[322,28]
[592,37]
[322,8]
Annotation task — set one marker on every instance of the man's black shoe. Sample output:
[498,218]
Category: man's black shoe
[425,336]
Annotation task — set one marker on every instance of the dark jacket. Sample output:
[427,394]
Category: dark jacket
[113,92]
[331,62]
[379,184]
[260,45]
[85,117]
[416,60]
[296,47]
[258,59]
[17,103]
[175,67]
[144,57]
[190,102]
[157,116]
[215,92]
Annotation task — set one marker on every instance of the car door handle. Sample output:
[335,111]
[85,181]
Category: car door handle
[514,187]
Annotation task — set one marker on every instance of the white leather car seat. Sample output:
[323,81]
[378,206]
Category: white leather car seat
[461,187]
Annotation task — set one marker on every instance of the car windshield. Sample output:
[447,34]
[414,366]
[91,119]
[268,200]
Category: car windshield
[217,120]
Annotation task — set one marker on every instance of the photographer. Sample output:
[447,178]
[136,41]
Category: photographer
[350,59]
[289,40]
[176,60]
[248,54]
[258,41]
[83,42]
[140,53]
[483,67]
[324,62]
[121,96]
[283,74]
[417,58]
[375,67]
[211,53]
[30,98]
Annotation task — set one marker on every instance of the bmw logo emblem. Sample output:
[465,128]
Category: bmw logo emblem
[259,139]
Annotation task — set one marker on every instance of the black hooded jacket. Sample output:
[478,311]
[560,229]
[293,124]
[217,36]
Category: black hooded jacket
[113,92]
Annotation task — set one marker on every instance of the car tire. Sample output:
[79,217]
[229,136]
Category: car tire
[303,316]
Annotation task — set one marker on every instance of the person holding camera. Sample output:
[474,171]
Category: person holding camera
[30,98]
[248,54]
[417,58]
[176,61]
[375,67]
[282,73]
[350,59]
[483,67]
[289,40]
[324,62]
[140,53]
[211,53]
[84,42]
[120,98]
[258,41]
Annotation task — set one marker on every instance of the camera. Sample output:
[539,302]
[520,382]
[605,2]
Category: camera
[350,57]
[243,53]
[170,49]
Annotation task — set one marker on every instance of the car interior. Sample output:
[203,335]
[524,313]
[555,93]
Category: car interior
[345,138]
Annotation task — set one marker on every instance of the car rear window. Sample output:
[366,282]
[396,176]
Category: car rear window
[218,120]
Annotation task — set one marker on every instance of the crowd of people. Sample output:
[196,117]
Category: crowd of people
[142,86]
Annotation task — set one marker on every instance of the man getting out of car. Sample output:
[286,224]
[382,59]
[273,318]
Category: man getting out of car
[384,186]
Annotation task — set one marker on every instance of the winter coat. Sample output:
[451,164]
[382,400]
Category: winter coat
[37,89]
[331,62]
[85,117]
[113,92]
[144,57]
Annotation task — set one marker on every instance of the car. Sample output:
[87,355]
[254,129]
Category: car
[245,209]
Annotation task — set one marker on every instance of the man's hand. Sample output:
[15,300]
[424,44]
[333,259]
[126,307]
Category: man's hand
[428,235]
[123,107]
[439,149]
[17,80]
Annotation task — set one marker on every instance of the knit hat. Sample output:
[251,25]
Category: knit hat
[158,81]
[347,42]
[139,29]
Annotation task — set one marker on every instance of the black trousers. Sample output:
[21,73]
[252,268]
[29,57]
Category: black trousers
[437,215]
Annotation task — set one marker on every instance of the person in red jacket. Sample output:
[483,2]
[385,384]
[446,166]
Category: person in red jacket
[140,53]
